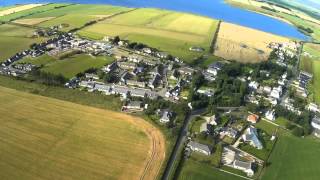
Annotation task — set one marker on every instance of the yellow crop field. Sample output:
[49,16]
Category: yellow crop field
[32,21]
[45,138]
[18,9]
[244,44]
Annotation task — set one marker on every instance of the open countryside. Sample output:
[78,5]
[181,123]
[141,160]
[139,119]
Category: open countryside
[53,139]
[138,89]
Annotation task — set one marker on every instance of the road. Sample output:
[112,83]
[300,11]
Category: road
[180,142]
[295,71]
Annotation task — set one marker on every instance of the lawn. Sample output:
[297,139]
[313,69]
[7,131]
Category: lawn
[165,30]
[193,170]
[39,61]
[51,139]
[71,66]
[294,158]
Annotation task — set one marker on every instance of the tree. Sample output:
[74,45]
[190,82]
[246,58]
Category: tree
[116,40]
[297,131]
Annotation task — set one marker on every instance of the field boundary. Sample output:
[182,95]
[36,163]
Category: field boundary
[214,39]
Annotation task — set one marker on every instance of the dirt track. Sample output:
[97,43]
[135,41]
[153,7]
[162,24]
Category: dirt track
[156,153]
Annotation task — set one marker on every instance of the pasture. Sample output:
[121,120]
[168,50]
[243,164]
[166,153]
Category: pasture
[71,66]
[45,138]
[15,39]
[193,170]
[244,44]
[165,30]
[294,158]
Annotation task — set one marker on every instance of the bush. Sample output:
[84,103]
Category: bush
[297,131]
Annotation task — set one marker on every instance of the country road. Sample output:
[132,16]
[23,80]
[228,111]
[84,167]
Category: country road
[180,141]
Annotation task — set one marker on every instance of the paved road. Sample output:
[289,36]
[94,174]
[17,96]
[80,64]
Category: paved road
[180,141]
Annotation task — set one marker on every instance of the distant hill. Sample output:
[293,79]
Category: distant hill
[310,7]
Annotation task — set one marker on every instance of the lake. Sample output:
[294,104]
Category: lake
[211,8]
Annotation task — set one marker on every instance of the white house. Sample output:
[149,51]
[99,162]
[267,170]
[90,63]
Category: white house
[253,85]
[166,116]
[244,166]
[270,115]
[195,146]
[251,136]
[313,107]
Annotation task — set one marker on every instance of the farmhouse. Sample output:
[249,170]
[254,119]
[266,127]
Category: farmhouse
[195,146]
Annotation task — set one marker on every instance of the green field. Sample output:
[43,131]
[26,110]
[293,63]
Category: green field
[69,67]
[14,39]
[28,12]
[193,170]
[294,158]
[311,64]
[44,138]
[168,31]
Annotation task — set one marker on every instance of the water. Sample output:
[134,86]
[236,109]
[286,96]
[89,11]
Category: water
[212,8]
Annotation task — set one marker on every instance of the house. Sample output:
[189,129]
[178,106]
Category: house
[154,81]
[109,68]
[313,107]
[102,88]
[204,127]
[315,123]
[270,115]
[166,116]
[91,76]
[127,65]
[134,105]
[195,146]
[253,85]
[244,166]
[214,68]
[227,131]
[250,135]
[135,83]
[186,71]
[87,84]
[267,89]
[253,118]
[206,91]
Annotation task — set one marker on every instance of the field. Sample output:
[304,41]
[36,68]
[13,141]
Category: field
[27,12]
[193,170]
[18,9]
[15,39]
[44,138]
[74,15]
[294,158]
[165,30]
[69,67]
[310,62]
[32,21]
[244,44]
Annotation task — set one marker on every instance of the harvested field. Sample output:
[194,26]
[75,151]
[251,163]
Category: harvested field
[18,9]
[32,21]
[244,44]
[45,138]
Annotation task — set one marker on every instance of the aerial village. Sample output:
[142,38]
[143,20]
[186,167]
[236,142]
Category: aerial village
[139,72]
